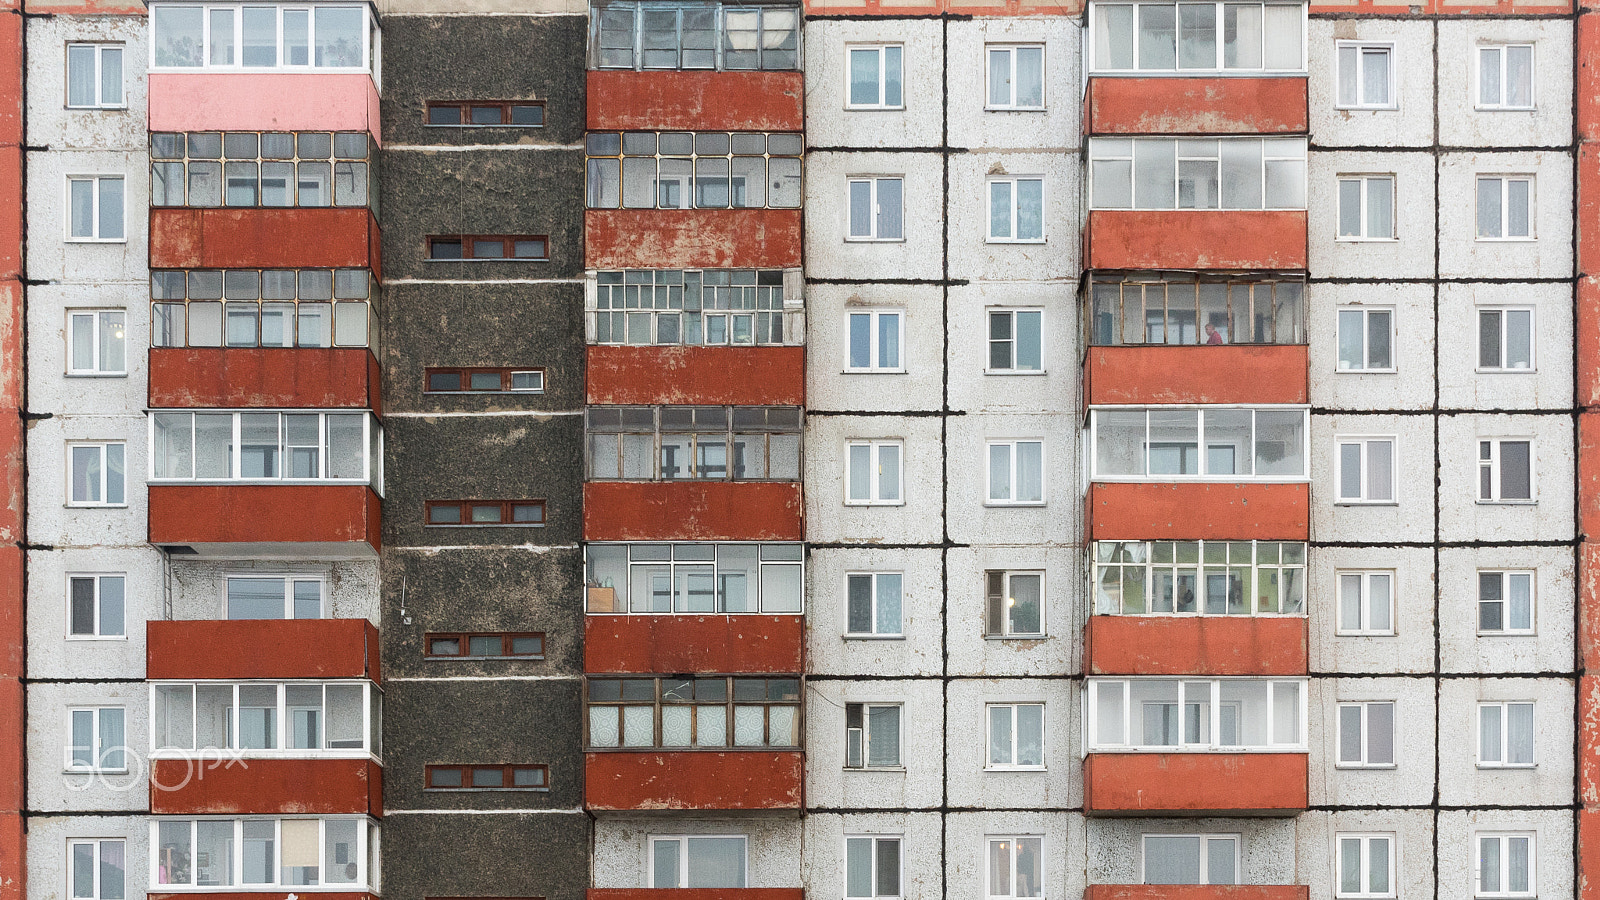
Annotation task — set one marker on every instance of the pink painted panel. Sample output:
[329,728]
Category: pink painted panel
[264,101]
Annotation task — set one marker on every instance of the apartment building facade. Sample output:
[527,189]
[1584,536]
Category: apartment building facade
[857,449]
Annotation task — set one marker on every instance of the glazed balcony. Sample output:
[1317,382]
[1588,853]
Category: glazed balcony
[1207,104]
[264,377]
[741,642]
[1193,784]
[207,649]
[693,780]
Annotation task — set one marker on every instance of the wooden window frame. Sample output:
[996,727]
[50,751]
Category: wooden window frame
[508,246]
[506,374]
[464,637]
[507,509]
[465,107]
[730,701]
[508,777]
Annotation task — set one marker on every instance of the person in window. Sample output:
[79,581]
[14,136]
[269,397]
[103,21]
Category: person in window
[1213,337]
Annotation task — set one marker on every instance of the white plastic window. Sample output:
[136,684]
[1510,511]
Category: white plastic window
[97,869]
[1366,603]
[1366,469]
[1016,473]
[97,739]
[1366,735]
[1366,865]
[1505,602]
[1173,37]
[1505,208]
[1016,210]
[1505,471]
[1505,339]
[1504,865]
[1159,715]
[94,76]
[96,606]
[1366,76]
[1015,867]
[1016,736]
[872,866]
[1190,859]
[873,604]
[876,213]
[1366,340]
[875,473]
[1366,208]
[875,341]
[95,205]
[1016,76]
[1505,77]
[98,475]
[1505,735]
[97,342]
[1190,173]
[875,77]
[697,861]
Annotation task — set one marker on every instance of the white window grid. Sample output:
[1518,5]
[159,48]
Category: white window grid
[1257,445]
[102,334]
[100,628]
[1204,875]
[1006,755]
[1493,871]
[1281,184]
[167,864]
[880,225]
[1007,354]
[370,449]
[1359,721]
[280,721]
[1508,192]
[1357,62]
[890,82]
[1374,212]
[1497,747]
[1004,90]
[291,583]
[1014,867]
[885,619]
[104,723]
[1193,694]
[885,861]
[1098,44]
[299,20]
[103,857]
[1365,866]
[886,340]
[106,213]
[105,64]
[681,842]
[1497,350]
[1507,583]
[1012,492]
[1198,578]
[1366,602]
[97,473]
[1009,223]
[858,738]
[1492,469]
[1365,339]
[719,36]
[1495,65]
[1375,487]
[1002,602]
[884,478]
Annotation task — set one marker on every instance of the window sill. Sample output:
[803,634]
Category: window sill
[1199,479]
[1030,242]
[874,503]
[97,506]
[1363,634]
[873,637]
[1001,504]
[681,612]
[94,374]
[869,769]
[481,790]
[1356,767]
[1196,73]
[1034,770]
[763,748]
[872,372]
[71,771]
[539,658]
[96,637]
[1508,634]
[83,240]
[1366,503]
[1365,240]
[1505,503]
[1199,751]
[1494,109]
[849,108]
[1021,109]
[1338,371]
[1505,240]
[1528,371]
[1521,767]
[470,393]
[123,108]
[485,525]
[475,127]
[1387,107]
[1027,373]
[869,240]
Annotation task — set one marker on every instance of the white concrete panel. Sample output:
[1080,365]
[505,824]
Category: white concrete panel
[973,520]
[1409,782]
[1411,831]
[1552,847]
[974,784]
[1549,517]
[828,519]
[830,387]
[50,122]
[970,652]
[973,389]
[1549,649]
[920,843]
[1409,649]
[1547,255]
[51,787]
[50,256]
[830,255]
[1410,124]
[349,587]
[1463,782]
[51,653]
[1266,847]
[621,855]
[974,256]
[916,652]
[1410,385]
[1062,850]
[1409,255]
[917,783]
[50,388]
[50,520]
[1410,517]
[47,852]
[1057,126]
[1462,124]
[1548,385]
[830,124]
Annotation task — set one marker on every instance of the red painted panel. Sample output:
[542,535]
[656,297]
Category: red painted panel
[692,511]
[1239,373]
[1589,741]
[697,894]
[1193,783]
[1589,473]
[1206,105]
[258,895]
[249,238]
[1197,892]
[696,101]
[10,207]
[314,787]
[748,779]
[13,839]
[1589,617]
[271,513]
[690,238]
[1194,511]
[1588,335]
[263,378]
[1196,239]
[1195,645]
[733,644]
[263,101]
[261,648]
[722,376]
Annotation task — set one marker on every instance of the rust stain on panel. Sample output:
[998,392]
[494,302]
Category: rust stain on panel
[696,101]
[716,238]
[1195,645]
[1239,373]
[757,780]
[723,376]
[1215,105]
[750,644]
[692,511]
[1199,511]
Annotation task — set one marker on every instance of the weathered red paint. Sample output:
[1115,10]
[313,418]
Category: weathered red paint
[749,644]
[258,895]
[1197,892]
[1442,8]
[264,378]
[696,101]
[86,8]
[747,779]
[692,511]
[269,238]
[722,376]
[263,101]
[696,894]
[1589,611]
[268,514]
[1196,239]
[716,238]
[1194,783]
[1155,373]
[304,787]
[1587,333]
[1589,473]
[1192,511]
[935,7]
[1195,645]
[1587,221]
[1589,744]
[235,649]
[13,741]
[1211,105]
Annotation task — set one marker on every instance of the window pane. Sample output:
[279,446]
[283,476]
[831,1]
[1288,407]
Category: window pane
[1114,36]
[1380,470]
[883,736]
[715,862]
[858,867]
[1380,733]
[860,208]
[1516,474]
[1197,37]
[999,77]
[889,211]
[80,88]
[864,76]
[1171,860]
[1030,76]
[1000,209]
[888,596]
[1157,36]
[1350,734]
[1380,207]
